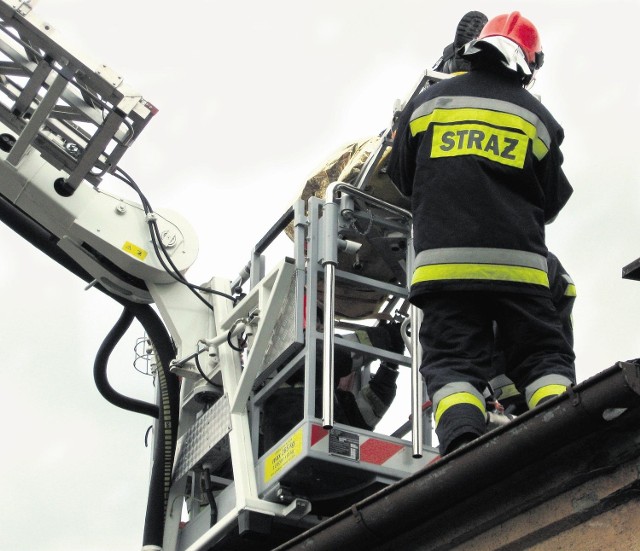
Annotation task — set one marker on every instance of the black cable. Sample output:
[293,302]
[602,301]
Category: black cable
[233,346]
[173,271]
[208,490]
[157,238]
[169,387]
[146,436]
[161,253]
[100,370]
[201,371]
[174,275]
[230,335]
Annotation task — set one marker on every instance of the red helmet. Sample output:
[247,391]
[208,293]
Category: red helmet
[519,30]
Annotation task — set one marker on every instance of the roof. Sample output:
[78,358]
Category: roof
[570,461]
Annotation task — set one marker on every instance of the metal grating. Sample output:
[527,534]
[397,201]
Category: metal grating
[284,331]
[205,441]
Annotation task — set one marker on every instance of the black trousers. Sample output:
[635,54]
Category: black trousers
[457,339]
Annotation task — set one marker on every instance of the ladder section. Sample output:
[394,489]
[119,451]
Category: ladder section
[79,114]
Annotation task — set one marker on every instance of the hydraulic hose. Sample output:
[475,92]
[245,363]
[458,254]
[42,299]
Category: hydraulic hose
[166,427]
[208,490]
[100,370]
[168,387]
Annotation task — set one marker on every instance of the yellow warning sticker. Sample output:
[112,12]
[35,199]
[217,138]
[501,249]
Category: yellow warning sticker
[281,457]
[134,250]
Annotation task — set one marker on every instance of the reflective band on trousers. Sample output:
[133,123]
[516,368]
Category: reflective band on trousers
[508,392]
[544,392]
[503,387]
[455,400]
[547,385]
[481,263]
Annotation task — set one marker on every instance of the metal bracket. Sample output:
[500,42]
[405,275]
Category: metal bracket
[297,509]
[573,396]
[25,7]
[631,375]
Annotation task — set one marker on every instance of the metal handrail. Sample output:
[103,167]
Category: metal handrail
[329,263]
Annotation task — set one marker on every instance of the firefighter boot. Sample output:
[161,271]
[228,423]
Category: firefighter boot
[468,29]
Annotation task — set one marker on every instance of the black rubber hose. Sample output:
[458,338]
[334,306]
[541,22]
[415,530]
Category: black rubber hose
[168,388]
[166,427]
[208,490]
[100,370]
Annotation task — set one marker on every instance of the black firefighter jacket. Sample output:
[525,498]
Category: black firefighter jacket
[480,158]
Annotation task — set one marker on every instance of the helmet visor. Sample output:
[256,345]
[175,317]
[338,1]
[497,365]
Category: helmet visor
[511,55]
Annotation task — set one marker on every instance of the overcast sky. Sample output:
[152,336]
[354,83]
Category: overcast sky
[253,96]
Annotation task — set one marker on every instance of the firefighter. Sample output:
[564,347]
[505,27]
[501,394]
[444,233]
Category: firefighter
[365,407]
[480,158]
[563,295]
[358,407]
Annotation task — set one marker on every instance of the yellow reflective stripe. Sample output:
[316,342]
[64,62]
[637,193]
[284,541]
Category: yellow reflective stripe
[496,118]
[495,105]
[456,399]
[570,291]
[490,272]
[508,391]
[499,145]
[539,148]
[363,337]
[470,114]
[543,392]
